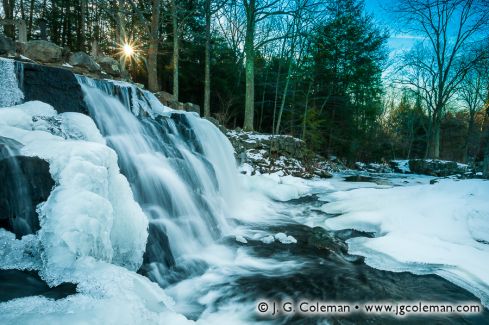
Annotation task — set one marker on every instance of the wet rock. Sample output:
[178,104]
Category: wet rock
[26,182]
[322,239]
[158,248]
[43,51]
[18,284]
[7,45]
[109,65]
[84,61]
[55,86]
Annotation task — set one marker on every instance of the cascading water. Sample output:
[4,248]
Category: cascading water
[181,168]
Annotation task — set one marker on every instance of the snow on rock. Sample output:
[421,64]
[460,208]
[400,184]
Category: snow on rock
[10,94]
[92,232]
[441,229]
[241,239]
[268,239]
[284,239]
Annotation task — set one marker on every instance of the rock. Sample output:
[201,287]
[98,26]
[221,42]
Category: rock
[190,107]
[158,248]
[167,99]
[55,86]
[22,283]
[324,240]
[7,45]
[26,182]
[439,168]
[83,60]
[43,51]
[9,147]
[109,65]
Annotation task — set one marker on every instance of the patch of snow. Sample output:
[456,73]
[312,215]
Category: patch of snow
[241,239]
[67,65]
[284,239]
[403,165]
[268,239]
[441,228]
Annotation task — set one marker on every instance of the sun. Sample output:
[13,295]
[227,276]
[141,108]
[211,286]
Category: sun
[128,50]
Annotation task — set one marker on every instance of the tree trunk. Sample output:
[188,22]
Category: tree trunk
[470,131]
[176,48]
[207,72]
[8,9]
[284,96]
[250,68]
[153,48]
[83,28]
[306,107]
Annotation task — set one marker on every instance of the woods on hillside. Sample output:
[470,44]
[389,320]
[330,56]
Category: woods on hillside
[319,70]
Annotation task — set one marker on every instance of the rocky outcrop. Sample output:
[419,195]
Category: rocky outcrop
[43,51]
[109,65]
[55,86]
[26,182]
[84,61]
[440,168]
[264,153]
[169,100]
[7,45]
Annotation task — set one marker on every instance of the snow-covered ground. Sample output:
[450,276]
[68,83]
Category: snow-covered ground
[438,229]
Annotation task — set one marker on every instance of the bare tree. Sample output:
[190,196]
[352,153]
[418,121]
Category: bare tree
[472,93]
[257,12]
[448,27]
[209,10]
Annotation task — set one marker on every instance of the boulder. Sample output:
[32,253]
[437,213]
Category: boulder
[167,99]
[7,45]
[43,51]
[440,168]
[55,86]
[109,65]
[26,182]
[83,60]
[190,107]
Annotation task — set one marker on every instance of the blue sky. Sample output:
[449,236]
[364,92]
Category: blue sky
[398,40]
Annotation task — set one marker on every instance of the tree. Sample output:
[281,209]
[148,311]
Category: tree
[448,27]
[152,62]
[348,55]
[256,12]
[472,92]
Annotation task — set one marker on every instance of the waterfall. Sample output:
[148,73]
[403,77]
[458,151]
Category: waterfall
[181,168]
[10,94]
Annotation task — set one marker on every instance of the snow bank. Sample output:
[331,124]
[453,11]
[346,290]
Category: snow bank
[441,229]
[92,232]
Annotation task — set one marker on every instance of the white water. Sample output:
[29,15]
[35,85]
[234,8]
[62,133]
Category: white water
[181,167]
[10,94]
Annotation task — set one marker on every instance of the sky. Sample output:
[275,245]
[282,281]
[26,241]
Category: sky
[398,41]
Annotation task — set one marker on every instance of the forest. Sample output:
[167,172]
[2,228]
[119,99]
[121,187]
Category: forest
[319,70]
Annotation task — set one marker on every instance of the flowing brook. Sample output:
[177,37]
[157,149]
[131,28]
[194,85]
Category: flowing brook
[182,172]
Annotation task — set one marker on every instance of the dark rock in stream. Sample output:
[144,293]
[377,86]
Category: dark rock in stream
[18,284]
[26,182]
